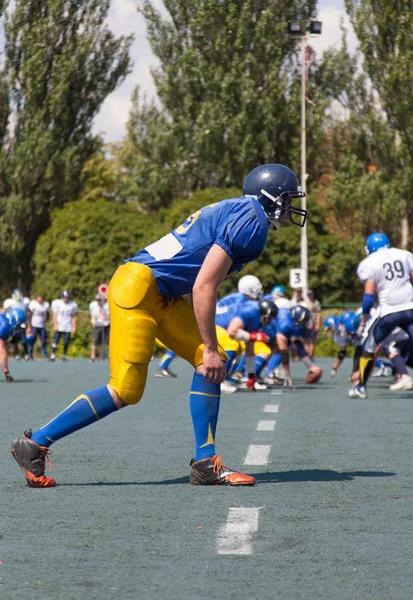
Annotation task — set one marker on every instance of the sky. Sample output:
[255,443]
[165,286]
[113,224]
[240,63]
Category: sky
[124,19]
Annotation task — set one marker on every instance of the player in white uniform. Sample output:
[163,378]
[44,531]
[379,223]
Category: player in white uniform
[17,300]
[38,311]
[100,317]
[64,322]
[389,273]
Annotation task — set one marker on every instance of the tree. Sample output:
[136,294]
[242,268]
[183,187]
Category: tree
[228,85]
[85,244]
[385,31]
[366,170]
[60,63]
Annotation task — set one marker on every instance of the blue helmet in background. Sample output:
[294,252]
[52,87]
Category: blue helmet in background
[349,326]
[65,294]
[275,186]
[16,316]
[347,314]
[300,314]
[278,290]
[332,323]
[376,241]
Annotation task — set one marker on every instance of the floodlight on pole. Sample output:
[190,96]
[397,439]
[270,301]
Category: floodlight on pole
[296,29]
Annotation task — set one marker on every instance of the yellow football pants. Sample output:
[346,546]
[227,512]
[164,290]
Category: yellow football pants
[138,315]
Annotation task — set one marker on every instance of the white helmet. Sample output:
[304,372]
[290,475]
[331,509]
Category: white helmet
[250,286]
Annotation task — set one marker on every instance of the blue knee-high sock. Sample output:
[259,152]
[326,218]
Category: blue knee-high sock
[204,398]
[378,363]
[85,410]
[260,362]
[166,359]
[273,363]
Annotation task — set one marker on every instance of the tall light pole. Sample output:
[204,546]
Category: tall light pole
[304,241]
[299,30]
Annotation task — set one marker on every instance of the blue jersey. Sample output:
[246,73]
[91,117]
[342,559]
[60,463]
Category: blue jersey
[248,312]
[5,327]
[286,324]
[238,225]
[271,330]
[234,298]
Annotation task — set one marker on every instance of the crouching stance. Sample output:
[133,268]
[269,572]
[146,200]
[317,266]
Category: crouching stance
[145,297]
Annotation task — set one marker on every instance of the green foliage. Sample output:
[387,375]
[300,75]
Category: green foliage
[229,86]
[84,245]
[60,63]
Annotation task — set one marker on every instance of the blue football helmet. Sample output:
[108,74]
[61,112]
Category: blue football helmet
[349,326]
[357,321]
[376,241]
[331,323]
[268,311]
[65,294]
[278,290]
[16,316]
[300,314]
[275,186]
[347,314]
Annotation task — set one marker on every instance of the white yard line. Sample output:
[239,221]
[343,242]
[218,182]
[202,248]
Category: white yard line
[257,454]
[266,426]
[235,537]
[271,408]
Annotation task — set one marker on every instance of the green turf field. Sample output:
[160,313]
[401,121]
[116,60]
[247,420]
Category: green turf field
[330,518]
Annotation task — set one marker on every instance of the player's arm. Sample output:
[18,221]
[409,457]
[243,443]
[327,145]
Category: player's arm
[368,300]
[4,360]
[204,296]
[55,326]
[73,324]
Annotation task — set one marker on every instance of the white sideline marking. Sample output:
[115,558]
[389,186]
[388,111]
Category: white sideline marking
[274,393]
[271,408]
[257,454]
[235,536]
[266,426]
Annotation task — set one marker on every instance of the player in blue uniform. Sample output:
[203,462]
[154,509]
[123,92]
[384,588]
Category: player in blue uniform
[290,328]
[145,298]
[239,325]
[9,325]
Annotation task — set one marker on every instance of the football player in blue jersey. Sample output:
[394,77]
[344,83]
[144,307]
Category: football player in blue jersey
[242,323]
[145,298]
[9,324]
[290,329]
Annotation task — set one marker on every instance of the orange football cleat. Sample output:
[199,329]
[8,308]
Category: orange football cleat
[31,459]
[212,471]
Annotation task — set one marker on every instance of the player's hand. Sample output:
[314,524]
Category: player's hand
[8,377]
[259,336]
[252,378]
[333,372]
[360,330]
[288,383]
[214,367]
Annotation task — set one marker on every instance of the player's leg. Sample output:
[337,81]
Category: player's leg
[43,337]
[133,335]
[179,331]
[35,333]
[166,360]
[66,342]
[55,344]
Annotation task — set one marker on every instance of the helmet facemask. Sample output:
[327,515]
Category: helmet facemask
[276,208]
